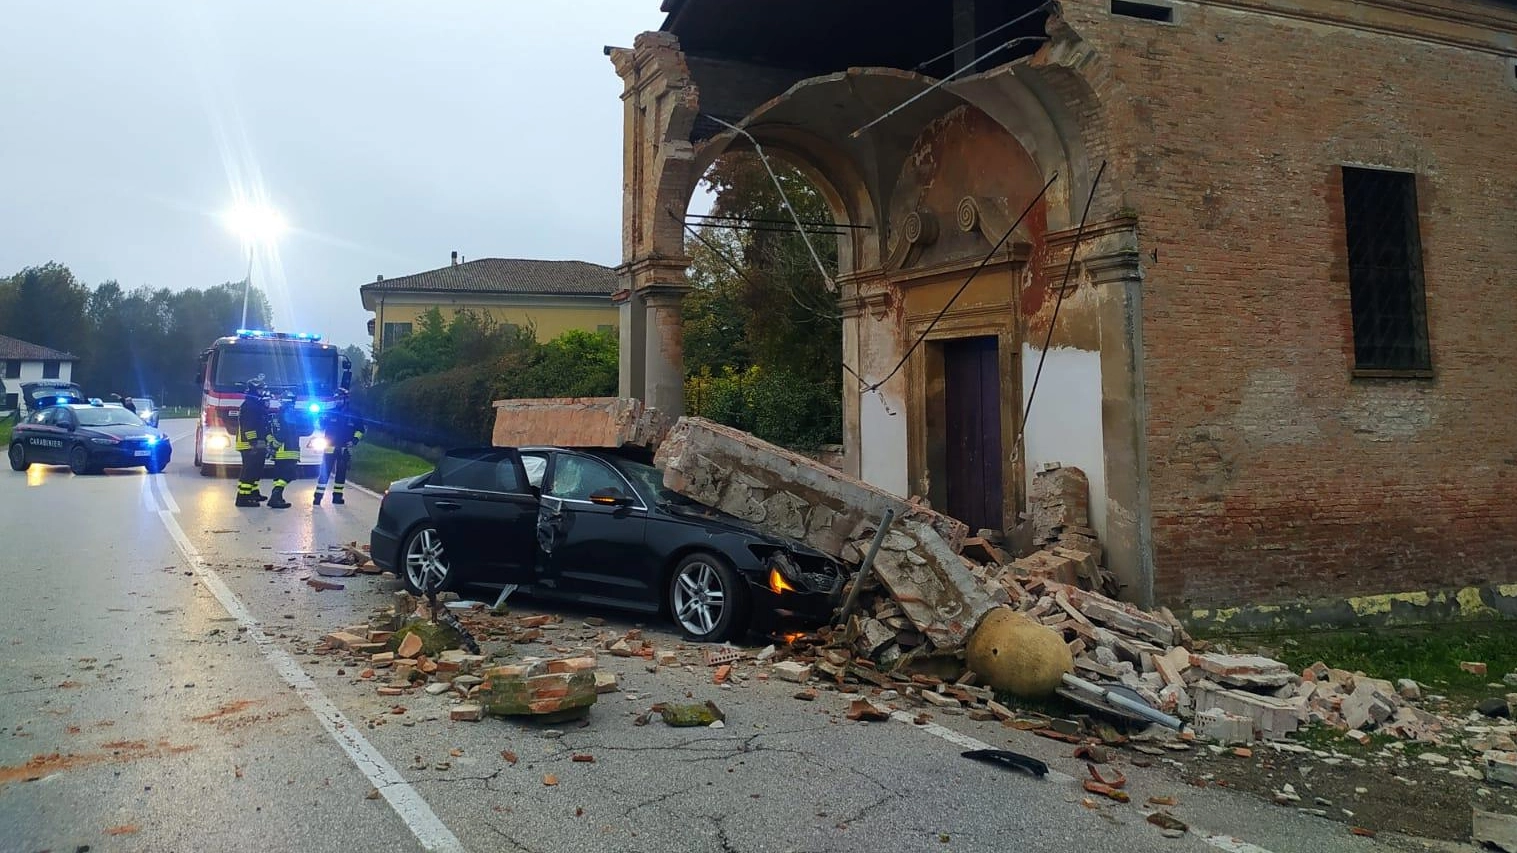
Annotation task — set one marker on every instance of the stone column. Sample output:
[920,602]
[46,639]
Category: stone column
[1117,276]
[631,380]
[664,352]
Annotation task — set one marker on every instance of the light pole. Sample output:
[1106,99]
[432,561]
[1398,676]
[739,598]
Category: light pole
[254,224]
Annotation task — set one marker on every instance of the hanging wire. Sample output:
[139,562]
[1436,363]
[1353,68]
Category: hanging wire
[1048,339]
[716,250]
[945,81]
[981,37]
[826,278]
[976,271]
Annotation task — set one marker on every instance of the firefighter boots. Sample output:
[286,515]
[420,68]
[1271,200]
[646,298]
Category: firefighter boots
[277,501]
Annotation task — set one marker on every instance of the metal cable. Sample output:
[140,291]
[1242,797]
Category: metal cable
[943,82]
[979,38]
[983,263]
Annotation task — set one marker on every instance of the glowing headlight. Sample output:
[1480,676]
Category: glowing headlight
[778,584]
[320,443]
[314,407]
[218,442]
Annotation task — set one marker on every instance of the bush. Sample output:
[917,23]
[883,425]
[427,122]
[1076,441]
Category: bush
[775,405]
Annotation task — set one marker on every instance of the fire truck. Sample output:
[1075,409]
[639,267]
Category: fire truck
[287,361]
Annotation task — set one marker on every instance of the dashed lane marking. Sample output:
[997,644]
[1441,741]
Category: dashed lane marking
[408,804]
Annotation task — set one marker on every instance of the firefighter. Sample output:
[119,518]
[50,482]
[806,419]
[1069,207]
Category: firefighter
[252,429]
[290,425]
[343,430]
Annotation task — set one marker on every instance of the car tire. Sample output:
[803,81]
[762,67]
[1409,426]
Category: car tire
[422,553]
[707,599]
[79,459]
[18,457]
[208,470]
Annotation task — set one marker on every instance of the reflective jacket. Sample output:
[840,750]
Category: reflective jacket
[252,422]
[341,428]
[290,424]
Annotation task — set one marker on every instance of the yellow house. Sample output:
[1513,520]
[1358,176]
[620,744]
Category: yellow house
[552,297]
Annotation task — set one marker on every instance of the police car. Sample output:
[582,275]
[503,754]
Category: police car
[88,437]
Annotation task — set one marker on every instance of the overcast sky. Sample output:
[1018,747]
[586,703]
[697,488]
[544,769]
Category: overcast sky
[387,132]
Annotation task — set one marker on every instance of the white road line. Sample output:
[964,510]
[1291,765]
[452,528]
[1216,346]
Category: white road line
[163,493]
[1221,842]
[407,803]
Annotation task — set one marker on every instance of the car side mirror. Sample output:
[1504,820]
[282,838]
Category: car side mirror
[70,426]
[610,497]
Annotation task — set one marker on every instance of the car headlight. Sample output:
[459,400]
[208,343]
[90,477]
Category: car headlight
[104,441]
[218,442]
[778,584]
[320,443]
[152,440]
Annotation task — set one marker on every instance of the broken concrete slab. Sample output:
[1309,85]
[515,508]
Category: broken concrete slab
[782,490]
[1495,830]
[530,689]
[792,671]
[934,589]
[1366,706]
[578,422]
[1501,767]
[1273,718]
[1224,728]
[1250,671]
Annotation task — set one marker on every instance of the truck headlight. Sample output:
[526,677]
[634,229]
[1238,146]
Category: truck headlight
[320,444]
[217,442]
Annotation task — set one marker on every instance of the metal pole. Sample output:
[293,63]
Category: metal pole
[863,573]
[247,284]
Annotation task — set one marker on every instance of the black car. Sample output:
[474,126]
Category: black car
[597,527]
[146,409]
[88,437]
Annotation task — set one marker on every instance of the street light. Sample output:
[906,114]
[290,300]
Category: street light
[254,224]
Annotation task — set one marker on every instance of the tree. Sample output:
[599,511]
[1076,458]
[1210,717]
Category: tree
[358,357]
[760,301]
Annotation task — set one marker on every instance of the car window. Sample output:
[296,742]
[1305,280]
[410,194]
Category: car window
[106,416]
[536,465]
[44,417]
[479,470]
[578,477]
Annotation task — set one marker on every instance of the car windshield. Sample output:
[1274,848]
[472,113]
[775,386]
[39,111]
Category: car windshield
[650,480]
[106,416]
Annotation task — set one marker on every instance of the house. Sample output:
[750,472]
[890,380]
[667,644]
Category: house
[1264,302]
[25,362]
[552,297]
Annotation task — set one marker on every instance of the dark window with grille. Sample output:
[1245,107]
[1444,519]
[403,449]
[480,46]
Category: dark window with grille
[394,332]
[50,369]
[13,368]
[1385,271]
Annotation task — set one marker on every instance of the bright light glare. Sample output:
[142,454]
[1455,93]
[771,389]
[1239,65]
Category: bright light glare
[254,223]
[217,442]
[320,444]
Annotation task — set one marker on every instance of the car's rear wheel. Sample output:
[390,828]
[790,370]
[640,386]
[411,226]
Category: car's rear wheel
[425,561]
[707,598]
[18,457]
[79,460]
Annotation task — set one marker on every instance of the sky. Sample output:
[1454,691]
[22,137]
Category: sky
[387,133]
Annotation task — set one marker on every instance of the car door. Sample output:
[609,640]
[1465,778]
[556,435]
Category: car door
[44,437]
[485,511]
[592,549]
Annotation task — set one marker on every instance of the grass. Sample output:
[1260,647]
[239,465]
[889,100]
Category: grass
[375,467]
[1428,655]
[6,426]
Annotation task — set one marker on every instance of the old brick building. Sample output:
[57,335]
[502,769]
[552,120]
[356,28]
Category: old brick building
[1282,352]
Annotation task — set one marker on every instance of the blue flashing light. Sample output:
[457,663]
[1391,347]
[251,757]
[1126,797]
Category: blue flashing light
[152,440]
[314,407]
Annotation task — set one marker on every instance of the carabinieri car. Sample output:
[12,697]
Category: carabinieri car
[88,437]
[597,527]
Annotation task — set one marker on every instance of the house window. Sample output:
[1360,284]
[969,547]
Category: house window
[50,369]
[13,368]
[1385,271]
[11,401]
[394,332]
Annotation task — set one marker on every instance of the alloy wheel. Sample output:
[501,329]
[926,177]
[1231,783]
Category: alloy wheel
[700,597]
[426,563]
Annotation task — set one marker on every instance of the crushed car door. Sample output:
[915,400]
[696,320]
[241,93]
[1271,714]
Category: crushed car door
[591,530]
[485,511]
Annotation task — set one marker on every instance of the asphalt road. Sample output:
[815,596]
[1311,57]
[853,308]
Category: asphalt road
[160,691]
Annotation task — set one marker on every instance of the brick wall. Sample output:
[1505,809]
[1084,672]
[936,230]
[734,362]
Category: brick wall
[1274,474]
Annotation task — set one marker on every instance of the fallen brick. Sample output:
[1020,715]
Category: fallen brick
[1273,719]
[792,671]
[468,712]
[1224,728]
[1243,670]
[932,697]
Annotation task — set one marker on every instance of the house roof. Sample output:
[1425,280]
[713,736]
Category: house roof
[12,348]
[505,275]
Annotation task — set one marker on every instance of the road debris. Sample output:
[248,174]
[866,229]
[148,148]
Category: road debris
[685,716]
[1009,760]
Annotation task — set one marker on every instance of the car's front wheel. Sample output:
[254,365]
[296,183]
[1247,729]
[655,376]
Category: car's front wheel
[79,460]
[18,457]
[708,599]
[426,561]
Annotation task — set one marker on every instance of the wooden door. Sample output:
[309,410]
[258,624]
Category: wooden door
[972,422]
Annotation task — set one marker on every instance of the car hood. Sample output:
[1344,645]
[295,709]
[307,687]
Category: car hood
[714,518]
[121,431]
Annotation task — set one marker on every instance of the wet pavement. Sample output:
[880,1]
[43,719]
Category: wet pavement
[160,690]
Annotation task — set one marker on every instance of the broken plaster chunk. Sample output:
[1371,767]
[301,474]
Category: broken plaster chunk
[792,671]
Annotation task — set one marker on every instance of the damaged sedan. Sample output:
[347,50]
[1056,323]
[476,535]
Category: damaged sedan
[597,527]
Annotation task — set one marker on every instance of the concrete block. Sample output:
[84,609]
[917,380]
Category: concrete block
[1273,718]
[940,597]
[1244,670]
[1224,728]
[578,422]
[735,472]
[1501,767]
[1495,830]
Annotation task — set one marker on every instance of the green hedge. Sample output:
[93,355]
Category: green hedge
[775,405]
